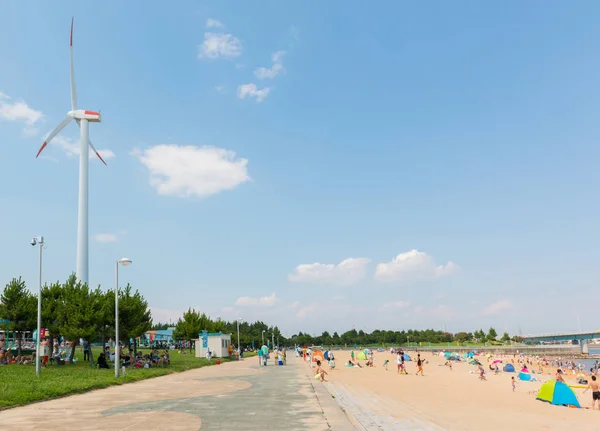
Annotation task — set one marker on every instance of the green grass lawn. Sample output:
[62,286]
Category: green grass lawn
[19,384]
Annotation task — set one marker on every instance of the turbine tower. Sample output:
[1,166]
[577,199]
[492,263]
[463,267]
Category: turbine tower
[82,118]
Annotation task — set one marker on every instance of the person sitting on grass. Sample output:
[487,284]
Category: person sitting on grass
[102,361]
[320,373]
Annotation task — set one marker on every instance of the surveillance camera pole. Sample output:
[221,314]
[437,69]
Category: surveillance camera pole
[38,356]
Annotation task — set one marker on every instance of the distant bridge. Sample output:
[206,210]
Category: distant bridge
[564,336]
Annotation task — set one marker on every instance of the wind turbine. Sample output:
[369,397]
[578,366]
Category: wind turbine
[83,118]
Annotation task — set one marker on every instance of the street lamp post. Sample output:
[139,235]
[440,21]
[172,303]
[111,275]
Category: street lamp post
[263,337]
[238,328]
[123,261]
[38,358]
[273,340]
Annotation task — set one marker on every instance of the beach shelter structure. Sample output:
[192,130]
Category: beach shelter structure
[407,357]
[509,368]
[318,356]
[525,376]
[558,393]
[361,356]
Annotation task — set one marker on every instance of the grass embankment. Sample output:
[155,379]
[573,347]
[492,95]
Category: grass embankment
[19,384]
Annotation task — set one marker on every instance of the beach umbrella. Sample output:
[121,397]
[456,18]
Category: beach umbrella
[497,361]
[558,393]
[407,357]
[361,356]
[318,356]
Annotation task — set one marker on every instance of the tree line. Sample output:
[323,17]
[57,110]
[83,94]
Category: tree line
[251,334]
[74,311]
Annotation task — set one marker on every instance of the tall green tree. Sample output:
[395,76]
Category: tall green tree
[190,325]
[134,315]
[80,313]
[505,337]
[52,301]
[19,307]
[492,334]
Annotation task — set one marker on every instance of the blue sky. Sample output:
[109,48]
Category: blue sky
[399,165]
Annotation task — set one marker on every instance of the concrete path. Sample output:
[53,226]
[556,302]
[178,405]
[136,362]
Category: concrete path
[232,396]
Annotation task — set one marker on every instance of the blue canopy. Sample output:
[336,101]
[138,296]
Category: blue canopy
[509,368]
[524,376]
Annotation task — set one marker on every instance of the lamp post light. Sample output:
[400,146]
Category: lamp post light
[263,337]
[238,328]
[123,261]
[38,358]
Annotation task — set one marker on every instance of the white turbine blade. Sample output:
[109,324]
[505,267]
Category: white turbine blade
[97,153]
[61,126]
[73,89]
[92,146]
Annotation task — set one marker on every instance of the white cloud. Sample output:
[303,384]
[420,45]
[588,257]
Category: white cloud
[71,147]
[186,171]
[219,45]
[395,305]
[347,272]
[412,264]
[274,70]
[213,23]
[105,237]
[264,301]
[294,304]
[250,90]
[497,307]
[221,89]
[18,111]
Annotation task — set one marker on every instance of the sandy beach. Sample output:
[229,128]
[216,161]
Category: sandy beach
[455,399]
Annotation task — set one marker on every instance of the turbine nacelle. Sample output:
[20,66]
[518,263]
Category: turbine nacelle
[82,114]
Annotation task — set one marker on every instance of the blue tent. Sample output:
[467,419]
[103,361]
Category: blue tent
[526,377]
[406,357]
[326,355]
[509,368]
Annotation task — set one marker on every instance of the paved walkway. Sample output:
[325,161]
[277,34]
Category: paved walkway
[232,396]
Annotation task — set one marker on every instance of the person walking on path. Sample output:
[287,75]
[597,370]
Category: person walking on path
[260,357]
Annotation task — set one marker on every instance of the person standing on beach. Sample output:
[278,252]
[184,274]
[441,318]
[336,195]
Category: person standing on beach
[419,365]
[595,392]
[513,382]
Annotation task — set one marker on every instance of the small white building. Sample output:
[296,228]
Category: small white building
[218,344]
